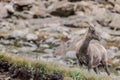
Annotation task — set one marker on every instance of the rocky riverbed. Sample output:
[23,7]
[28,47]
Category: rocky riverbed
[49,30]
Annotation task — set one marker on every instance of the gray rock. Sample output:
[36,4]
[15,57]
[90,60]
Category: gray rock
[27,49]
[49,51]
[6,42]
[102,15]
[23,2]
[112,52]
[19,33]
[3,12]
[31,36]
[64,10]
[2,48]
[44,45]
[71,54]
[115,21]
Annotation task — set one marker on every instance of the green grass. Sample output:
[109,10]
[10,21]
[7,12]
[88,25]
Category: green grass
[46,68]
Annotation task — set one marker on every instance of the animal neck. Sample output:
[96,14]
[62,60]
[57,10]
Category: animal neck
[84,46]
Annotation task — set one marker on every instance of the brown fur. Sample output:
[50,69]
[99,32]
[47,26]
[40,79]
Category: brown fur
[91,53]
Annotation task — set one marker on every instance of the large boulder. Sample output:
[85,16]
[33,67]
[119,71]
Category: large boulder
[64,10]
[101,15]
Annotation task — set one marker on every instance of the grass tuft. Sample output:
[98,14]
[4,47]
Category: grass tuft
[47,68]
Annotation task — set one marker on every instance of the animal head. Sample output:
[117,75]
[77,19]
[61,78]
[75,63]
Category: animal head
[93,34]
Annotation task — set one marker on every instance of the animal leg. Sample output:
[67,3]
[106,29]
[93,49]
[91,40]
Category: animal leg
[106,67]
[90,63]
[96,70]
[80,63]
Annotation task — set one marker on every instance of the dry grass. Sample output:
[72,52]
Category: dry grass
[68,73]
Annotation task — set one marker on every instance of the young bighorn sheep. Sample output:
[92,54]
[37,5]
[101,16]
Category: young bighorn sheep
[91,53]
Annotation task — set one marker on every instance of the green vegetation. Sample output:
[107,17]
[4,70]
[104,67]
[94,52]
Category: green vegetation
[45,68]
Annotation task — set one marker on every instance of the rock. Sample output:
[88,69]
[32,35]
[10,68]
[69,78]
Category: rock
[3,12]
[31,36]
[64,10]
[105,36]
[117,8]
[44,45]
[115,21]
[71,54]
[49,51]
[23,2]
[18,33]
[102,15]
[116,39]
[27,49]
[2,48]
[113,52]
[115,61]
[52,40]
[76,22]
[118,68]
[10,8]
[26,44]
[117,1]
[6,42]
[14,51]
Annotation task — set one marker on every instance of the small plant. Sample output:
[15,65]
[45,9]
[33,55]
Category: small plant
[41,67]
[77,76]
